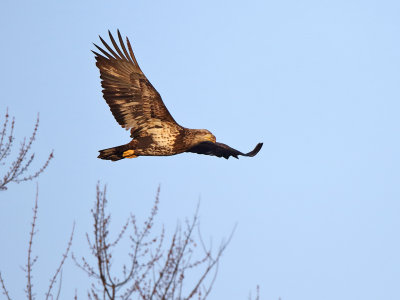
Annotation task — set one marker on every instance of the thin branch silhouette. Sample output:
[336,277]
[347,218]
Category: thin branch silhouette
[17,169]
[3,287]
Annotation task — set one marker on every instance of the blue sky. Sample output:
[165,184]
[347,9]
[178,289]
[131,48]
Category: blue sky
[316,81]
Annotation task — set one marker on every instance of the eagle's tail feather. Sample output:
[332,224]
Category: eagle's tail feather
[117,153]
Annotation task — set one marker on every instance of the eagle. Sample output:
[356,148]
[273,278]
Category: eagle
[137,106]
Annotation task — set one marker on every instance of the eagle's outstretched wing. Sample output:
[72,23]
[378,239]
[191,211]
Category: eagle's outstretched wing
[133,100]
[221,150]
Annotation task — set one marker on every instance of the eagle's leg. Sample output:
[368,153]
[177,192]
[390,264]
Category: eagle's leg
[129,154]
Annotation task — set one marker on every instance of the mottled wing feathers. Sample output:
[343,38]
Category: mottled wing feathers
[221,150]
[132,99]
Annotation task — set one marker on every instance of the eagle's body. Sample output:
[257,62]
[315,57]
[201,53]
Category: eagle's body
[136,105]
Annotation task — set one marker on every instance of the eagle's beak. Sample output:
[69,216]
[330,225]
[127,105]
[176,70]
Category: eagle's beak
[211,138]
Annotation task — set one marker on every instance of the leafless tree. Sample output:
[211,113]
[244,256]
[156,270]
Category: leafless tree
[31,260]
[154,271]
[17,169]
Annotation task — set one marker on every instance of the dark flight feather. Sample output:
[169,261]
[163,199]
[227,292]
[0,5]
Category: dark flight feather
[221,150]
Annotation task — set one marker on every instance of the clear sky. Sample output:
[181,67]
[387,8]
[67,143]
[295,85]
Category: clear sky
[317,81]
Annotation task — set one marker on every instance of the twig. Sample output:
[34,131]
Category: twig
[31,261]
[64,257]
[3,287]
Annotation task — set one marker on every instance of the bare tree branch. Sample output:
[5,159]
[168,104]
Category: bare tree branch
[58,271]
[59,287]
[17,168]
[3,287]
[154,272]
[31,260]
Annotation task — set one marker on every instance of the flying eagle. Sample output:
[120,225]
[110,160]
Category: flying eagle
[136,105]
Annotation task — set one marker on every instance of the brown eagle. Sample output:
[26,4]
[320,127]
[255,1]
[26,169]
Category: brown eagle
[136,105]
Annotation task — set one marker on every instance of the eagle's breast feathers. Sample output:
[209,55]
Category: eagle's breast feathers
[163,139]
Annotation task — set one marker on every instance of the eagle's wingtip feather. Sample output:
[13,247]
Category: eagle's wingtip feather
[255,150]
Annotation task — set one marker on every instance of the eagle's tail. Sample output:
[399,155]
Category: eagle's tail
[117,153]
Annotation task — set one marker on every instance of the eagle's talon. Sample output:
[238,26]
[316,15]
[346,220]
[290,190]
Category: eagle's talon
[129,154]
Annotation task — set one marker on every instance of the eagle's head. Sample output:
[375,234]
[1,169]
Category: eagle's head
[203,135]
